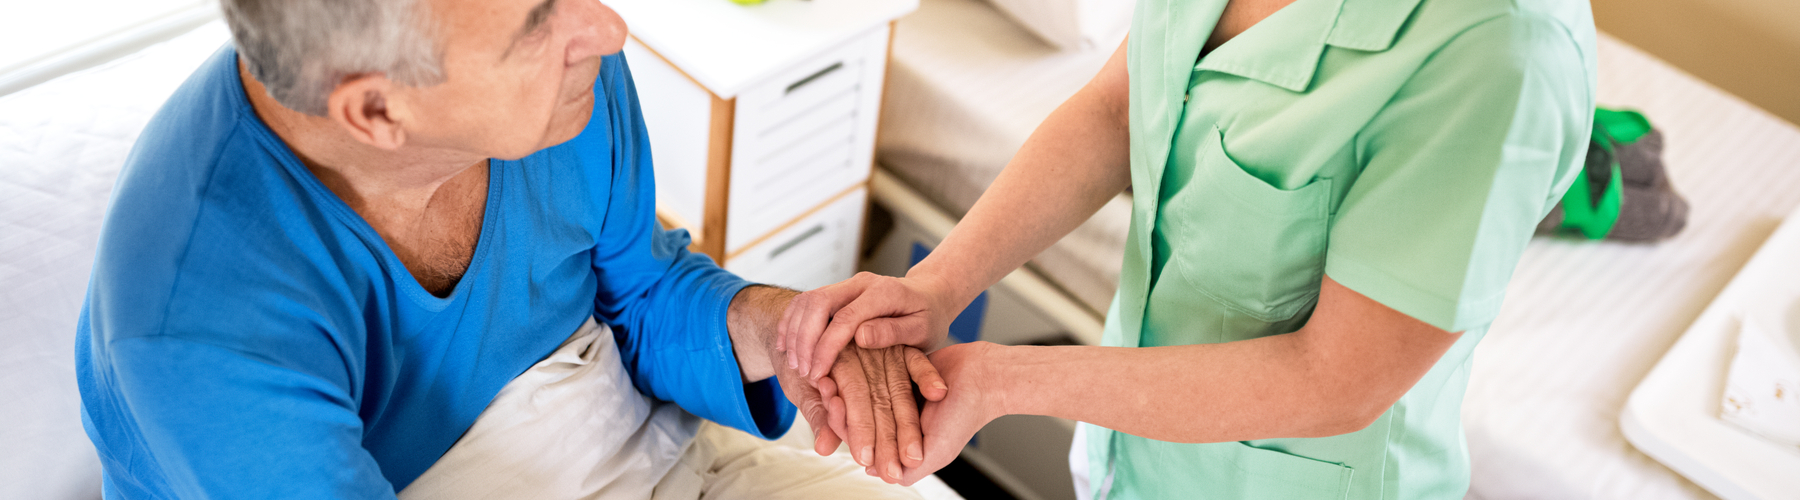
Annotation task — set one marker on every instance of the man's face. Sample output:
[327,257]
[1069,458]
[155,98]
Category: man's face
[519,74]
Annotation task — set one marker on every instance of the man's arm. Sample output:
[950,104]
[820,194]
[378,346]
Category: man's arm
[751,321]
[689,331]
[217,422]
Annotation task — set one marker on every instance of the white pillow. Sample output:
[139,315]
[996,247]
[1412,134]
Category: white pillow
[1071,24]
[1762,389]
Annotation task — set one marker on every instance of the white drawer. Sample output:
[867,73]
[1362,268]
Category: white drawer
[803,137]
[678,116]
[818,250]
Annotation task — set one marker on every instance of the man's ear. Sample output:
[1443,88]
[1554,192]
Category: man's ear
[362,104]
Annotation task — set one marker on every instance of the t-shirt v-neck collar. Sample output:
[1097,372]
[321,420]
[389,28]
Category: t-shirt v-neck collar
[316,190]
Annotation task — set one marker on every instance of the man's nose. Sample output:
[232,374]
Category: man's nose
[596,31]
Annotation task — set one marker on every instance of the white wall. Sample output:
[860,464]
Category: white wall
[1750,48]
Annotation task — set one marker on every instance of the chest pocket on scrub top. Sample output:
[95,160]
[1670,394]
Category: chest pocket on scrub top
[1240,241]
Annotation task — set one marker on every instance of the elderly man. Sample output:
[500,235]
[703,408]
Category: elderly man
[346,258]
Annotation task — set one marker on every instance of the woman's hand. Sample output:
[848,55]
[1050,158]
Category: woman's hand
[877,311]
[972,402]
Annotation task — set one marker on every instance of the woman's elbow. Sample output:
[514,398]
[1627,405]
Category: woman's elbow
[1347,412]
[1346,422]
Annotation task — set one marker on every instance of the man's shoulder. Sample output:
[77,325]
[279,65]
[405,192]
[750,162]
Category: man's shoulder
[206,217]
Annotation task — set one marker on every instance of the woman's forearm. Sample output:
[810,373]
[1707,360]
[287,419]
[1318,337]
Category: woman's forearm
[1236,391]
[1354,358]
[1076,161]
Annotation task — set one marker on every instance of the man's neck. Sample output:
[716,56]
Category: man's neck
[427,204]
[355,171]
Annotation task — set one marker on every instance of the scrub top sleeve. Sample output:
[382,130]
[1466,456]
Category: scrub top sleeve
[222,423]
[667,306]
[1458,169]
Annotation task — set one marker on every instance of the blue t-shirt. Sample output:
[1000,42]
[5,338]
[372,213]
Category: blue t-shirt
[248,335]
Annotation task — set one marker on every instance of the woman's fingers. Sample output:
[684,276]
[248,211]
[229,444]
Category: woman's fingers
[826,346]
[817,310]
[944,441]
[911,329]
[907,437]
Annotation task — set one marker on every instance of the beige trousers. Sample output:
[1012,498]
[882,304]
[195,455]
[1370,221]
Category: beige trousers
[574,427]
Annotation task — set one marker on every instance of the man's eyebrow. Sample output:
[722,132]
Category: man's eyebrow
[533,20]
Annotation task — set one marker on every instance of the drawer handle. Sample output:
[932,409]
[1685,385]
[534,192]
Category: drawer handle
[815,231]
[815,76]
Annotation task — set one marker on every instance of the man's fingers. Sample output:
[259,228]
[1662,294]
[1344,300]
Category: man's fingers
[859,423]
[931,384]
[825,441]
[827,388]
[838,417]
[834,414]
[887,457]
[818,416]
[908,437]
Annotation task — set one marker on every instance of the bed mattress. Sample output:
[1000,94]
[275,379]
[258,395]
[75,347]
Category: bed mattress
[1583,321]
[965,87]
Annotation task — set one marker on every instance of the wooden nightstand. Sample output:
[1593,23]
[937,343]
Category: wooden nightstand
[762,126]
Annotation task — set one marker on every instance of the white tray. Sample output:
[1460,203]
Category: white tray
[1673,415]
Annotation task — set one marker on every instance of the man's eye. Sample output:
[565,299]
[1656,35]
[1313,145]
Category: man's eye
[539,22]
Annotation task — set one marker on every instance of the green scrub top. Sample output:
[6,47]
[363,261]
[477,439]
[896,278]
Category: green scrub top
[1406,148]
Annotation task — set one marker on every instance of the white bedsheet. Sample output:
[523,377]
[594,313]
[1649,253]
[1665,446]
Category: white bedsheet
[61,145]
[965,87]
[1584,322]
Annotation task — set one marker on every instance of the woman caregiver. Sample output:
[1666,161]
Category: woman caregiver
[1329,197]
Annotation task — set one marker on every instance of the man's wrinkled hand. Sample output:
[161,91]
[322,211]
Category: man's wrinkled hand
[811,404]
[869,397]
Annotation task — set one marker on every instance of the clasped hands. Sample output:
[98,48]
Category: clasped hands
[862,392]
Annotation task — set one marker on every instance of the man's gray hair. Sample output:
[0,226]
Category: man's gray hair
[301,49]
